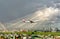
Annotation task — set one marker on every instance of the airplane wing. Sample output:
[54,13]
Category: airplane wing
[36,20]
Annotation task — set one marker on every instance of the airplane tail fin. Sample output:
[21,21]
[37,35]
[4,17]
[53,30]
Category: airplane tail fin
[23,20]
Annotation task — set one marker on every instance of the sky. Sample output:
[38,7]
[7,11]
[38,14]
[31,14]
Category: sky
[14,9]
[11,10]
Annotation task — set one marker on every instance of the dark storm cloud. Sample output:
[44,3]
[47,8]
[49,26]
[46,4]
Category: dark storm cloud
[13,9]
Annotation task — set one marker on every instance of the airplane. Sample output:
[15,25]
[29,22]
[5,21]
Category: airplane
[30,21]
